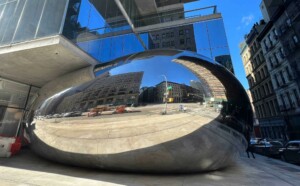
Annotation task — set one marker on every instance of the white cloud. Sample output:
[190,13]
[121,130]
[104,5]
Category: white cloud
[247,20]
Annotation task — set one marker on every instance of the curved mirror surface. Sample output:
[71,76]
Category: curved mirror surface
[158,96]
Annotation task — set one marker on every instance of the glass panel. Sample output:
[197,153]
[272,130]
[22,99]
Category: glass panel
[52,17]
[9,17]
[202,40]
[107,49]
[9,120]
[13,94]
[217,34]
[13,19]
[23,20]
[32,97]
[30,17]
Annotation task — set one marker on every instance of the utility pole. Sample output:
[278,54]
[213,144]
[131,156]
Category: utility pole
[166,94]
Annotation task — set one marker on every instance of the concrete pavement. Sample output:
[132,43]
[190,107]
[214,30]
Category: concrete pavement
[28,169]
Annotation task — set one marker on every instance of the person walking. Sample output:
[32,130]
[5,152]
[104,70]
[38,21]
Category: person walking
[250,150]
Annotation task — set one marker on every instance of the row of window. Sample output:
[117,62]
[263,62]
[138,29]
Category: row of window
[259,76]
[256,61]
[186,41]
[267,109]
[289,100]
[262,91]
[181,32]
[282,77]
[276,58]
[277,132]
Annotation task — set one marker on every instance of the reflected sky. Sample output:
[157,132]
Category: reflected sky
[153,73]
[211,38]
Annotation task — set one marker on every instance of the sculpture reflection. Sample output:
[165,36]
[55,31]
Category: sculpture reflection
[115,121]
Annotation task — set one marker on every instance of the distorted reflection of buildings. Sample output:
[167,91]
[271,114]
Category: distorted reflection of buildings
[178,93]
[202,87]
[226,61]
[178,38]
[210,81]
[121,89]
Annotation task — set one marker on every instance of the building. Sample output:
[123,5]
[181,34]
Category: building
[38,46]
[280,44]
[271,124]
[180,38]
[265,102]
[178,93]
[120,89]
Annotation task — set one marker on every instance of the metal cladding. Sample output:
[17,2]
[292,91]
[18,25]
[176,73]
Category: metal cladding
[155,111]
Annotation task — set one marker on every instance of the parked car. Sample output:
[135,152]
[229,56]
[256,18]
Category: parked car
[291,152]
[72,114]
[268,148]
[254,141]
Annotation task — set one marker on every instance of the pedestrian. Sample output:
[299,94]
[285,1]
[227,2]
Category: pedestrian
[250,149]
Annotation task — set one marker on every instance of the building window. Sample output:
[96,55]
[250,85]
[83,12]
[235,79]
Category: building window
[181,41]
[266,46]
[157,36]
[282,77]
[289,99]
[281,53]
[283,106]
[276,81]
[188,40]
[271,62]
[275,58]
[172,34]
[296,96]
[163,36]
[295,39]
[270,39]
[181,32]
[275,33]
[172,43]
[288,22]
[288,72]
[267,89]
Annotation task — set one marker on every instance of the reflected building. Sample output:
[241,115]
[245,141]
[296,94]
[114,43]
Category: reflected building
[177,93]
[182,38]
[122,89]
[225,60]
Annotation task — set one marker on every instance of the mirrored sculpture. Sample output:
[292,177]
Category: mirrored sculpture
[156,111]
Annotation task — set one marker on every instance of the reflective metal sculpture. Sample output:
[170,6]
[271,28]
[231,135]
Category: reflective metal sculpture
[156,111]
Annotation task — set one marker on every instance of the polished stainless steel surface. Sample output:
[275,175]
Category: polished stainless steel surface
[156,111]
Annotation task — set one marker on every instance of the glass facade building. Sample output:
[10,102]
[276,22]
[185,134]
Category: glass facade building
[25,20]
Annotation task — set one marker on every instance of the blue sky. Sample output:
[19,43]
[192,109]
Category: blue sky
[239,17]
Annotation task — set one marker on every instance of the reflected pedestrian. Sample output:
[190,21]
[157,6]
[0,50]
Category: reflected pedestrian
[250,149]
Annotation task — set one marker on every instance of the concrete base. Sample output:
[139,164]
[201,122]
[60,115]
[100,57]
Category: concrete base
[28,169]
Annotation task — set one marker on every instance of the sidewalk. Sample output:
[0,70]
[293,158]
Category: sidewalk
[28,169]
